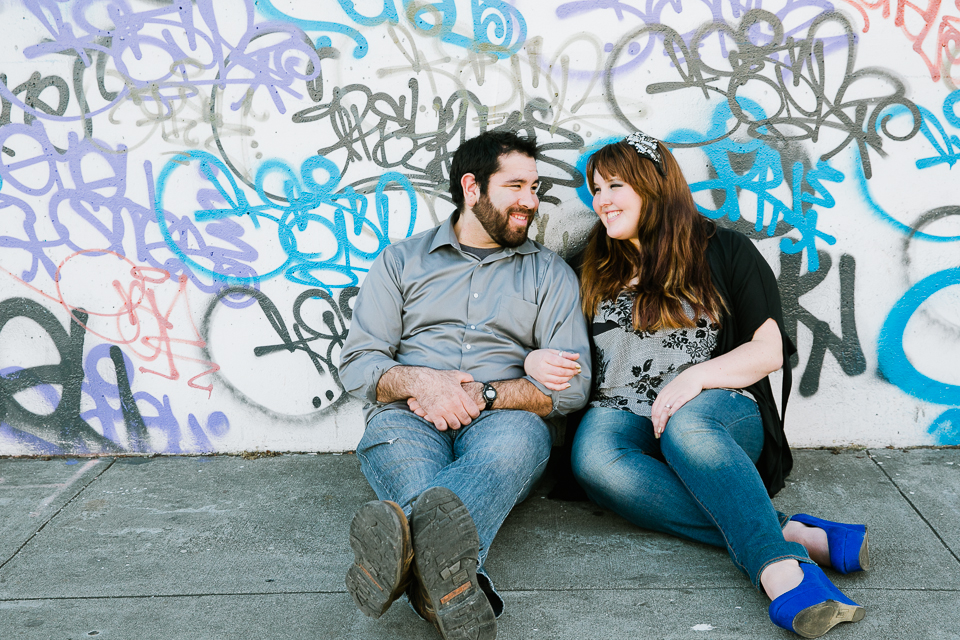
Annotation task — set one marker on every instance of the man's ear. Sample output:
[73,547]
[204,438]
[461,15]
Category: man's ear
[471,189]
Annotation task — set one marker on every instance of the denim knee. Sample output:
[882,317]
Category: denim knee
[603,437]
[719,413]
[520,457]
[684,435]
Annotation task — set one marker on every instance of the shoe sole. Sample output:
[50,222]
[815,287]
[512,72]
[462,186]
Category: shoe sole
[377,537]
[446,547]
[864,558]
[815,621]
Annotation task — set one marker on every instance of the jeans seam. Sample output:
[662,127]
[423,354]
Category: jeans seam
[374,470]
[715,522]
[527,485]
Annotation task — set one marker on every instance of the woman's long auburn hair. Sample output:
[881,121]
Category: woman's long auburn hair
[671,264]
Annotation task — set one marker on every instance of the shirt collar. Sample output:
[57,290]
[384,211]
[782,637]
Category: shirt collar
[446,236]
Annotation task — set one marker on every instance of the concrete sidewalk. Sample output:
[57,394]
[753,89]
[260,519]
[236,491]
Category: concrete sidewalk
[227,547]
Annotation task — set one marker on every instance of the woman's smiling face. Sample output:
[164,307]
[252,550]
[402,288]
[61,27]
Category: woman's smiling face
[618,206]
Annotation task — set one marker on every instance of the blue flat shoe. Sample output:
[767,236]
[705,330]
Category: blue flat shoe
[814,606]
[848,543]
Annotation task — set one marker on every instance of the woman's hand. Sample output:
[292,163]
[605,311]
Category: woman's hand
[736,369]
[678,392]
[551,368]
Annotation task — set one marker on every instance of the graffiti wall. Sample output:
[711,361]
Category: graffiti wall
[191,193]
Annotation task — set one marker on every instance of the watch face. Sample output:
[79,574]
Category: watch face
[490,393]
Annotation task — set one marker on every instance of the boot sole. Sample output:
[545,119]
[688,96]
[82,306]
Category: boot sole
[815,621]
[377,535]
[446,547]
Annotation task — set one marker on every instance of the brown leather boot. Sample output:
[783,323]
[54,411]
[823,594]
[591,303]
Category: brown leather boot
[445,589]
[383,551]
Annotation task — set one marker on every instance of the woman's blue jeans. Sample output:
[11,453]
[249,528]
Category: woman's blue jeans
[490,464]
[698,481]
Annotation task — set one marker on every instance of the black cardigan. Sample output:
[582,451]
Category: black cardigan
[747,284]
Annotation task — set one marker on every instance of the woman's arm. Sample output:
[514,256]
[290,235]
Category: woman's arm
[741,367]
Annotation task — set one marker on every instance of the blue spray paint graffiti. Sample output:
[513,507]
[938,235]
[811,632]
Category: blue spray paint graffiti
[946,428]
[763,176]
[871,203]
[498,28]
[893,361]
[948,145]
[226,254]
[947,148]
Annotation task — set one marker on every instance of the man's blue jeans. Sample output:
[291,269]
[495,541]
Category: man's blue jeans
[698,481]
[491,464]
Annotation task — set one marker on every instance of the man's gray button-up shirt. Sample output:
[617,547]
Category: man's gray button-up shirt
[427,303]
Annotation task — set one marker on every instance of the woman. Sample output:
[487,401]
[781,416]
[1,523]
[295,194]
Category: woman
[682,434]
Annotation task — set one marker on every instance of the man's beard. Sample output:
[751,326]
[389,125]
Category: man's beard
[497,223]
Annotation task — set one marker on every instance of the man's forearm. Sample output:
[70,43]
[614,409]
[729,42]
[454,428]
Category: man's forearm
[440,395]
[398,383]
[518,393]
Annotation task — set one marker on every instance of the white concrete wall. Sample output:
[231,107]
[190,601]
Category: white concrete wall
[190,195]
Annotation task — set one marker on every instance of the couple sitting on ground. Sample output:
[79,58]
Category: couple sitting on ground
[469,345]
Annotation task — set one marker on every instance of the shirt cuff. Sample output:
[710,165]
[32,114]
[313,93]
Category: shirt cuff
[553,395]
[373,376]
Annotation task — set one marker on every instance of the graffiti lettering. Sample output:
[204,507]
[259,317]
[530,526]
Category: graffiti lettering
[944,40]
[846,347]
[799,82]
[321,345]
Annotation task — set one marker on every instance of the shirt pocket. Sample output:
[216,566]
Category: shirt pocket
[516,319]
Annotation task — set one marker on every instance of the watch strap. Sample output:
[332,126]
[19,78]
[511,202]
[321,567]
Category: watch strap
[489,395]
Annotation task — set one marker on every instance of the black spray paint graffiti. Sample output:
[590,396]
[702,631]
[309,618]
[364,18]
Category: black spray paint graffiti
[794,70]
[64,426]
[321,345]
[384,130]
[845,347]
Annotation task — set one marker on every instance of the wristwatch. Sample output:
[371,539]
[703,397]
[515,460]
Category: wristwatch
[489,394]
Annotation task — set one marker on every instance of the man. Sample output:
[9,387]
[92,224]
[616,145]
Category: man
[456,435]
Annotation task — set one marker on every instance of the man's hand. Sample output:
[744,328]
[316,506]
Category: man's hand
[439,398]
[473,390]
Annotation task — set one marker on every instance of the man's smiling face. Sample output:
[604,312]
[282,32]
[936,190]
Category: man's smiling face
[507,208]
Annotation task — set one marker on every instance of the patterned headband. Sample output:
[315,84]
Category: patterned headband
[647,147]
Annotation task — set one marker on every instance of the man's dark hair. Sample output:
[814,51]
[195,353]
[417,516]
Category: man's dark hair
[481,157]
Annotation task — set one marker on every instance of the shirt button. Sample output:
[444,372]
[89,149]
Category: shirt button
[468,347]
[473,326]
[476,295]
